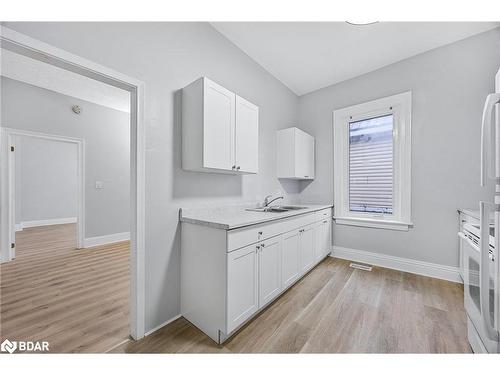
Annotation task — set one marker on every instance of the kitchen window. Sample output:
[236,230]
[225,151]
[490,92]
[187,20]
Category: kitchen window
[372,163]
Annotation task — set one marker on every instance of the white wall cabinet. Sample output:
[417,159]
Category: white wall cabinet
[220,130]
[295,154]
[246,137]
[227,276]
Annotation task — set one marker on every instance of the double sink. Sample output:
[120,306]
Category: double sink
[277,208]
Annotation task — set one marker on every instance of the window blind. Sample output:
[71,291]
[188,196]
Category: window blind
[371,165]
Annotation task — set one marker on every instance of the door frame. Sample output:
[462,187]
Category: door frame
[8,135]
[22,44]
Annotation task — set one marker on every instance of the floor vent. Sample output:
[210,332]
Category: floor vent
[360,266]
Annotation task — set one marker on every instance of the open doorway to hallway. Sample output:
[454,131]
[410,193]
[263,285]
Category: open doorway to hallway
[68,281]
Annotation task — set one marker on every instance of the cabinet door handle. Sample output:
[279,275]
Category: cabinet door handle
[238,167]
[257,249]
[233,167]
[262,245]
[260,233]
[326,221]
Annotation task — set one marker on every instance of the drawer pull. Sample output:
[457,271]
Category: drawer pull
[262,245]
[260,233]
[325,221]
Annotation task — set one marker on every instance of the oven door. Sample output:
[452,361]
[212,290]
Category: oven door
[481,278]
[489,277]
[472,282]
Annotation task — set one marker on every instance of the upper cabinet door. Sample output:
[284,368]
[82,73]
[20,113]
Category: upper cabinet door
[218,126]
[247,136]
[295,154]
[304,155]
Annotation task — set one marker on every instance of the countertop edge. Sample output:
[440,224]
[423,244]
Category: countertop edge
[224,226]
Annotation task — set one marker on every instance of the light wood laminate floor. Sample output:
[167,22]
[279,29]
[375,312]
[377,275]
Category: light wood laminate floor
[336,309]
[77,300]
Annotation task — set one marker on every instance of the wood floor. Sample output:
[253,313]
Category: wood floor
[77,300]
[336,309]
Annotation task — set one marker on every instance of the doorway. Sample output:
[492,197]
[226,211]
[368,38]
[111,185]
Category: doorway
[26,46]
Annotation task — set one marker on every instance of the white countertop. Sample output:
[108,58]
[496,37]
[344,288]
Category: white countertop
[228,218]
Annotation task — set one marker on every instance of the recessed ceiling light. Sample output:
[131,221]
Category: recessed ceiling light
[361,23]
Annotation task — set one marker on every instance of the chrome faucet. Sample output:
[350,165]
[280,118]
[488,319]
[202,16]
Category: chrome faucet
[267,202]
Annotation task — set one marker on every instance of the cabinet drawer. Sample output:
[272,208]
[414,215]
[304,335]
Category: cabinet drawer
[323,214]
[238,238]
[298,222]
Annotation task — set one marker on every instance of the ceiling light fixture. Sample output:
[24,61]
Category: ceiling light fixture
[361,23]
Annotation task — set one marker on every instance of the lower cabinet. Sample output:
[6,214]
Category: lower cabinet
[322,239]
[227,277]
[269,270]
[242,285]
[306,246]
[254,279]
[290,261]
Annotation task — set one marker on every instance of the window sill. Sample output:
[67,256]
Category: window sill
[373,223]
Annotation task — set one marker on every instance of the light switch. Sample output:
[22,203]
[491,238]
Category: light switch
[99,185]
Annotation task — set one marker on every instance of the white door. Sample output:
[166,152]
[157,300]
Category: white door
[247,136]
[218,126]
[290,258]
[242,284]
[304,155]
[269,270]
[306,246]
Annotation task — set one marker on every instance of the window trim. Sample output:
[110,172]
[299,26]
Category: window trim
[400,107]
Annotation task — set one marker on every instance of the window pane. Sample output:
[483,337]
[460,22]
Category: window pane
[371,165]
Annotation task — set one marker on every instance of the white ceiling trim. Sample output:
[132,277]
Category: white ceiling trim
[40,74]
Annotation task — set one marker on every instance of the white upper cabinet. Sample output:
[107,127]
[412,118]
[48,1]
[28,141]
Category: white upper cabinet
[220,130]
[247,136]
[218,126]
[295,154]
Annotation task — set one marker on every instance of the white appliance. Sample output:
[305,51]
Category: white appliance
[480,243]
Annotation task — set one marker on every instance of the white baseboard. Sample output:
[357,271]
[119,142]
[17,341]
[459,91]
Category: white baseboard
[162,325]
[437,271]
[19,227]
[104,240]
[41,223]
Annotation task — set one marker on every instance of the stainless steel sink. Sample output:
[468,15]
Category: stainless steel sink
[268,209]
[293,207]
[276,208]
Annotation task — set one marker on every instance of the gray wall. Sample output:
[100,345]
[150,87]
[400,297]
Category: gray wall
[45,179]
[167,57]
[107,140]
[449,85]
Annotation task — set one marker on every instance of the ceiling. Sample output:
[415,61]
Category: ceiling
[50,77]
[307,56]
